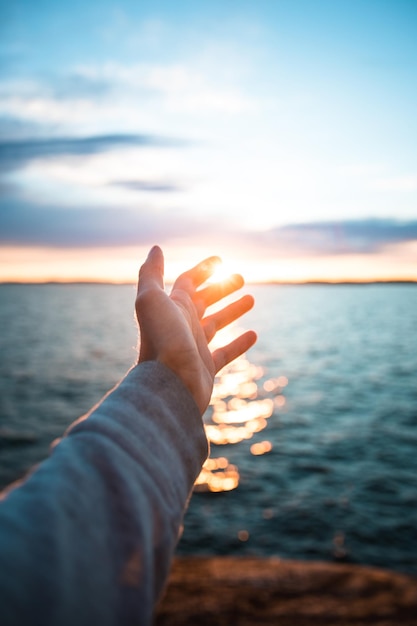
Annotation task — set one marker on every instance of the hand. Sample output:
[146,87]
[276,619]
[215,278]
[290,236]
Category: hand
[173,329]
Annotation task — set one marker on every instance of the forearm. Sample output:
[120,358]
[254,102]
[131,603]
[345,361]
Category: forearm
[89,537]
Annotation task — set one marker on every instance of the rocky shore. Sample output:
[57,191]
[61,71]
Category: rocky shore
[246,591]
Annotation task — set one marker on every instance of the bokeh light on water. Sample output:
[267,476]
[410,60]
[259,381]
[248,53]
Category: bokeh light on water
[240,406]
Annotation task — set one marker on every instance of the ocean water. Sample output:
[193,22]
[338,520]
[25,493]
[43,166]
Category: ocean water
[316,427]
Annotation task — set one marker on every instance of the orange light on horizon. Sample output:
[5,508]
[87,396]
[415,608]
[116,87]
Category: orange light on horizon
[38,264]
[121,264]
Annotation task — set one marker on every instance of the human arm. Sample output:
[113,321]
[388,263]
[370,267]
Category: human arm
[89,536]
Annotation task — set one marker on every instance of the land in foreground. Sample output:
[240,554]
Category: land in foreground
[246,591]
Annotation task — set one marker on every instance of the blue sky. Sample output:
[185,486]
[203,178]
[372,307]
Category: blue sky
[267,130]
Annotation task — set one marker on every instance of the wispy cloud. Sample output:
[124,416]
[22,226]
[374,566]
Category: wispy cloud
[32,225]
[22,223]
[15,153]
[107,94]
[178,85]
[339,237]
[147,185]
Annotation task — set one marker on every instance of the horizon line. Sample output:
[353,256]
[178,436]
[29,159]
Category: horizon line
[388,281]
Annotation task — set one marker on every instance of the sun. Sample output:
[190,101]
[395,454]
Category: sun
[223,271]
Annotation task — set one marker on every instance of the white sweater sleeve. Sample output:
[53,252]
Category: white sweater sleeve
[88,538]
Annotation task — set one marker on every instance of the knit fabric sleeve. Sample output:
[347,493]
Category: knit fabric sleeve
[88,537]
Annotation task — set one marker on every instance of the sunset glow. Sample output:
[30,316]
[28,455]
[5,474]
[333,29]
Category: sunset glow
[120,265]
[277,136]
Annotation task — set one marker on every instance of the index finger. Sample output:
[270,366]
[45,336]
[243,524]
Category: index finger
[197,275]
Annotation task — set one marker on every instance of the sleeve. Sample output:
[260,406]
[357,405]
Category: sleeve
[88,538]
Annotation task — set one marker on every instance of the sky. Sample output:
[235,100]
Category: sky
[280,135]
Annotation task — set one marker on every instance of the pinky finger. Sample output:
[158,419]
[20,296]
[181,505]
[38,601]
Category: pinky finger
[226,354]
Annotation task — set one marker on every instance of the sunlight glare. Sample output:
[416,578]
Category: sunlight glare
[223,271]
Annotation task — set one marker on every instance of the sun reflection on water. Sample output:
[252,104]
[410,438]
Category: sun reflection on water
[240,406]
[261,448]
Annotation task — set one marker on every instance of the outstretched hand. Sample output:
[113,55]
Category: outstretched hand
[173,328]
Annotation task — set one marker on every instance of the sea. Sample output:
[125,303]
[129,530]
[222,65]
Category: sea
[313,432]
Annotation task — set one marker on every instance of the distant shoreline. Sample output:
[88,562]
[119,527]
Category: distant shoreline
[251,284]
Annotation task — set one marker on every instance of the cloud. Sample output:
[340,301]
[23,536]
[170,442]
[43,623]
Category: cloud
[339,237]
[15,153]
[112,94]
[145,185]
[32,225]
[180,86]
